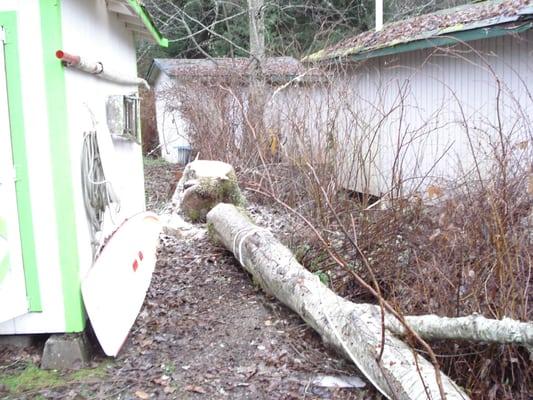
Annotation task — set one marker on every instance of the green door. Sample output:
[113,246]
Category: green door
[13,300]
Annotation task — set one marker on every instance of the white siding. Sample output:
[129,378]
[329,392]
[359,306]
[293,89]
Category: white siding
[417,117]
[89,30]
[171,126]
[38,155]
[422,96]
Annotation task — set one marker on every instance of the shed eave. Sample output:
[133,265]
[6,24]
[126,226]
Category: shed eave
[148,22]
[446,39]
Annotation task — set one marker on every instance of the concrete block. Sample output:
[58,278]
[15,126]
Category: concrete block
[16,340]
[66,352]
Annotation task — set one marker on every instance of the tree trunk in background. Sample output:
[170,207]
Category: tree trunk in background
[353,329]
[257,95]
[257,29]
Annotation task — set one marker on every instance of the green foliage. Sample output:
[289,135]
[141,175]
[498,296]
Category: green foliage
[154,162]
[323,276]
[316,263]
[196,215]
[301,27]
[212,233]
[301,251]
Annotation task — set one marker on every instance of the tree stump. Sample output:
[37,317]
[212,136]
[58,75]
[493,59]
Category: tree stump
[203,185]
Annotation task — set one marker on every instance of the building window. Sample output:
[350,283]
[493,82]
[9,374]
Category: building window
[131,117]
[123,117]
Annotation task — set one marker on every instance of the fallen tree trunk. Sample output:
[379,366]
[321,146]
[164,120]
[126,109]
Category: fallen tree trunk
[354,329]
[473,327]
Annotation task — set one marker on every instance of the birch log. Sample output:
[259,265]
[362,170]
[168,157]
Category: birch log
[351,328]
[473,327]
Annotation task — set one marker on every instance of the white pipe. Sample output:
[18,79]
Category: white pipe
[379,15]
[97,68]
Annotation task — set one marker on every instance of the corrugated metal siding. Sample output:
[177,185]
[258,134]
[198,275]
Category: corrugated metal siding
[436,105]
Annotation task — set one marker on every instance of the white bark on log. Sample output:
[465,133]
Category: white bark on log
[351,328]
[473,327]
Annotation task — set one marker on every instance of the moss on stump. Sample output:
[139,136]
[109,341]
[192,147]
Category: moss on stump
[205,184]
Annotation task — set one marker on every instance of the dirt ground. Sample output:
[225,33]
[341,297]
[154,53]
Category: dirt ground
[205,332]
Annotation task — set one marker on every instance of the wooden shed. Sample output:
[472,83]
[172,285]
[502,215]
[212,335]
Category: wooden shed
[435,97]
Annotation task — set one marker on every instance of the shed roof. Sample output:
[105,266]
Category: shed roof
[136,19]
[273,67]
[469,22]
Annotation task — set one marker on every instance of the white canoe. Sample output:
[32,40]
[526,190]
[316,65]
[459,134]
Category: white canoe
[116,285]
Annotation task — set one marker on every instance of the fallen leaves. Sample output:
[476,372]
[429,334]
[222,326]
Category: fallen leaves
[200,298]
[195,389]
[164,380]
[142,395]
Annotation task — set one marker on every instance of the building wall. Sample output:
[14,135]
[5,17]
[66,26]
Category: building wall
[304,118]
[434,109]
[90,31]
[35,120]
[420,118]
[171,126]
[221,112]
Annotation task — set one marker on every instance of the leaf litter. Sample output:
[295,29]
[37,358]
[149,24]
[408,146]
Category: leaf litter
[206,331]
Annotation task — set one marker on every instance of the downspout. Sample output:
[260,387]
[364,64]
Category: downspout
[97,68]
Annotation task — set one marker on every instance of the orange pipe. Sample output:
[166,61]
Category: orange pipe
[68,58]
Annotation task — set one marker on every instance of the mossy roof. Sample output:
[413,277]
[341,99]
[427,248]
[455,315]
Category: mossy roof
[424,28]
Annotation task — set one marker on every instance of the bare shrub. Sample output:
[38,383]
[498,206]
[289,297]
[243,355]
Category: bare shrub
[435,194]
[148,122]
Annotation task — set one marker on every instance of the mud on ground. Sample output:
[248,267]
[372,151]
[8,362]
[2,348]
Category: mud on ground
[205,332]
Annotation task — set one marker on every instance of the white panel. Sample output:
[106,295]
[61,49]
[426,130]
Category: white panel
[445,95]
[91,31]
[8,5]
[171,127]
[12,286]
[38,155]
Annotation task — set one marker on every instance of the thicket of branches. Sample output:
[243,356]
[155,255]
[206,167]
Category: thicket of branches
[438,242]
[219,28]
[435,241]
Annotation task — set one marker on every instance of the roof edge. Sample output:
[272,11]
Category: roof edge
[485,29]
[140,10]
[444,40]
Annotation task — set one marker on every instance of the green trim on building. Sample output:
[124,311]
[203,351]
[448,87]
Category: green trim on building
[61,172]
[147,21]
[439,41]
[18,143]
